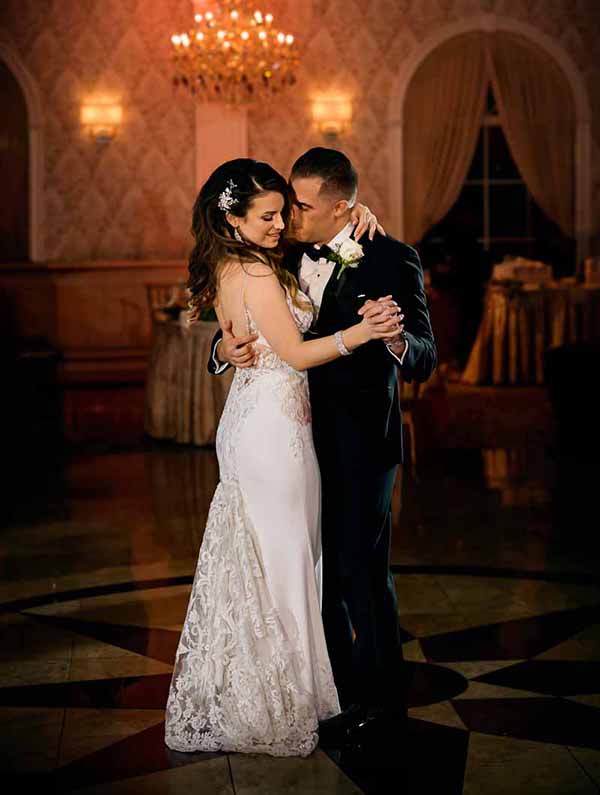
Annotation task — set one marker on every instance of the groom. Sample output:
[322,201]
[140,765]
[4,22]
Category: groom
[357,430]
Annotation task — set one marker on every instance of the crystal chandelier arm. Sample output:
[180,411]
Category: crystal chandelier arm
[234,55]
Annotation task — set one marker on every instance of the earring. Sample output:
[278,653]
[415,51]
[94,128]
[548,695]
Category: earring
[237,235]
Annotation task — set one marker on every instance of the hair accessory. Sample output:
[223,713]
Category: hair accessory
[340,344]
[226,197]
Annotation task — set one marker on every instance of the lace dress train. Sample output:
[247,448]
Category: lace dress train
[252,673]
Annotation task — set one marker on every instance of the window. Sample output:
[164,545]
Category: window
[496,209]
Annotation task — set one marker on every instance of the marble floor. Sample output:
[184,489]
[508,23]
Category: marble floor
[499,602]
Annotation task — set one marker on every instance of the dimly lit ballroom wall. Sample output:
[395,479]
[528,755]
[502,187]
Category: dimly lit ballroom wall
[109,417]
[131,200]
[95,206]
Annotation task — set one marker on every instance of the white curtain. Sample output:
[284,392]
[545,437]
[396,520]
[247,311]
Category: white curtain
[538,119]
[443,112]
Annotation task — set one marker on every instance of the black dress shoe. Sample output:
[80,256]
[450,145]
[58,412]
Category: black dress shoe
[333,732]
[376,731]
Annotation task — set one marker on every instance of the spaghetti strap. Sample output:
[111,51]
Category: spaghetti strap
[246,312]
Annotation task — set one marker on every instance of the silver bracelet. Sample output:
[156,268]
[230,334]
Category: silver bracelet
[339,343]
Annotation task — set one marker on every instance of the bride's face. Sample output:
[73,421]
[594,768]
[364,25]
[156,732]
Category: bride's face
[263,223]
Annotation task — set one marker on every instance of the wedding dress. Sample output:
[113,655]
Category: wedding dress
[252,672]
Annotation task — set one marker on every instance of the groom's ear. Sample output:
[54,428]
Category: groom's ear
[341,207]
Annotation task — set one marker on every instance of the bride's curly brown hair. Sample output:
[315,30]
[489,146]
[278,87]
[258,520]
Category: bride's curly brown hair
[214,236]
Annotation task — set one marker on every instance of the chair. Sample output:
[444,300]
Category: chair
[161,295]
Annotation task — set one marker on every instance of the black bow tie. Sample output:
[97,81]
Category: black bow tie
[324,252]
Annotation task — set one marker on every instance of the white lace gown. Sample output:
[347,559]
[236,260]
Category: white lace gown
[252,672]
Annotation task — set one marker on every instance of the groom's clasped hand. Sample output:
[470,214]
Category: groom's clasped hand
[378,313]
[383,316]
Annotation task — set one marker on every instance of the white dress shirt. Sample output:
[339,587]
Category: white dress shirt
[314,275]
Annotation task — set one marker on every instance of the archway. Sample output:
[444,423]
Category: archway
[36,162]
[491,23]
[14,165]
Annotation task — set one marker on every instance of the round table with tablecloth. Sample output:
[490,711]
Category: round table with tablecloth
[520,323]
[183,401]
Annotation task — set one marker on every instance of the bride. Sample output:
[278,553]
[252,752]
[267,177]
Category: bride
[252,673]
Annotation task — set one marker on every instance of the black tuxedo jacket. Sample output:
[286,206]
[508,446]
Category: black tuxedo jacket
[356,396]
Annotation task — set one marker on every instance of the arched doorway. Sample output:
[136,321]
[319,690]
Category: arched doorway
[23,88]
[14,166]
[490,23]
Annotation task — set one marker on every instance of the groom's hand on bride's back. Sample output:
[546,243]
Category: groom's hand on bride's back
[237,351]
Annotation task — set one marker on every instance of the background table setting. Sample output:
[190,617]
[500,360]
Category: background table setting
[525,313]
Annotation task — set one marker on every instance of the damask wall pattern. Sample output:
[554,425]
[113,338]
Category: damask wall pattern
[132,199]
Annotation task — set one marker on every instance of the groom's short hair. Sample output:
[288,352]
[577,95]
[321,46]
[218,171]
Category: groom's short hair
[335,169]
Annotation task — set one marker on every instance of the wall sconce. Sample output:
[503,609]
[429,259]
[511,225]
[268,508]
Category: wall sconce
[332,114]
[101,117]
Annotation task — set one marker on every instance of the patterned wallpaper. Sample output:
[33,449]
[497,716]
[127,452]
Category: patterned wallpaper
[132,199]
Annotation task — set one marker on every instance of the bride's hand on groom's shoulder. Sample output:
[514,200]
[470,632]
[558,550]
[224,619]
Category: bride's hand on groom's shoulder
[237,351]
[365,221]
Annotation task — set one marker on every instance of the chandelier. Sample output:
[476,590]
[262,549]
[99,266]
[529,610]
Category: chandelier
[234,54]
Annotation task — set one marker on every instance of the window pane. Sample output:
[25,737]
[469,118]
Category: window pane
[502,165]
[457,232]
[541,224]
[467,213]
[508,210]
[551,245]
[476,168]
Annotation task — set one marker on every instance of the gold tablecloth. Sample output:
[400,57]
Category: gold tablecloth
[183,401]
[518,325]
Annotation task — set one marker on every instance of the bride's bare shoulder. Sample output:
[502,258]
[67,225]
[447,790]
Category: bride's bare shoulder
[229,269]
[233,272]
[258,269]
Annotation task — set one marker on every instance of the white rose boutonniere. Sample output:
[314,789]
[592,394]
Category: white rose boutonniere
[348,253]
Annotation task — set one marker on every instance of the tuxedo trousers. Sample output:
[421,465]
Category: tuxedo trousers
[360,611]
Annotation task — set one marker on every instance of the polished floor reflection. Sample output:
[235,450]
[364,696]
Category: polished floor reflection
[498,595]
